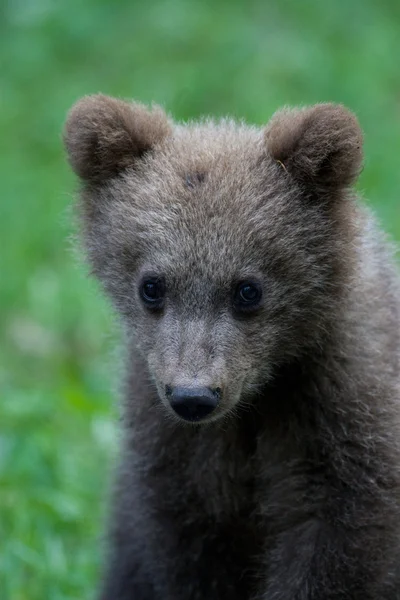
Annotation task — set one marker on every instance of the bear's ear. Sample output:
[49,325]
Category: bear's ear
[104,135]
[320,146]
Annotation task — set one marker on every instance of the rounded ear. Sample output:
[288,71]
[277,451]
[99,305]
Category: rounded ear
[320,146]
[104,135]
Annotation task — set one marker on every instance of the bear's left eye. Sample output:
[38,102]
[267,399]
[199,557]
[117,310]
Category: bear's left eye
[247,296]
[152,292]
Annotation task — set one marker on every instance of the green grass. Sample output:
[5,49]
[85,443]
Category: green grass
[57,415]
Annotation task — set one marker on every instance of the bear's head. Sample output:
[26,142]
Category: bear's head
[224,247]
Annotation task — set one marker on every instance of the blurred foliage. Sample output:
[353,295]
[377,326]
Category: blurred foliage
[57,434]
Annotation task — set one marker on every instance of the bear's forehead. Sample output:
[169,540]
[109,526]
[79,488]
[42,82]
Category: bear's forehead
[208,200]
[206,179]
[196,210]
[206,156]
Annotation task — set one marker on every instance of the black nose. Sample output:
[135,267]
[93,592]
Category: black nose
[193,404]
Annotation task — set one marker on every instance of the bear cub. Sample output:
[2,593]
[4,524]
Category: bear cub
[260,306]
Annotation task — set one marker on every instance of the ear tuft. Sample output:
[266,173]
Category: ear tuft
[320,146]
[104,135]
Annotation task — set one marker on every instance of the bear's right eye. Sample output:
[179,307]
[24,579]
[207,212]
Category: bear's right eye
[152,292]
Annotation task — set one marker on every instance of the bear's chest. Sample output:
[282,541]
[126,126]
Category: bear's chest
[203,474]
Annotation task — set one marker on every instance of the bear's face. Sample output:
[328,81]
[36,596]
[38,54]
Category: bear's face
[221,245]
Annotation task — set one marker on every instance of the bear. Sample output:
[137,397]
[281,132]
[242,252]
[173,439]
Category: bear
[260,310]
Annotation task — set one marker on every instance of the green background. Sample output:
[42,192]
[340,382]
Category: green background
[57,358]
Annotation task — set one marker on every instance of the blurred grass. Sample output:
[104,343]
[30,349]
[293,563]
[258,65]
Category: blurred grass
[57,434]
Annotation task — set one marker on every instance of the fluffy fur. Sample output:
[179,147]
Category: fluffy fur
[291,490]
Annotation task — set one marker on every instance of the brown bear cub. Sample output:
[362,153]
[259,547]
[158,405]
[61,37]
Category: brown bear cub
[260,305]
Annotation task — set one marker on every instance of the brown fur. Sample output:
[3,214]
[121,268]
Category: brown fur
[321,145]
[291,489]
[104,135]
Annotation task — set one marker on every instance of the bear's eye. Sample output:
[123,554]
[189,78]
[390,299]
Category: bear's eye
[247,296]
[152,292]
